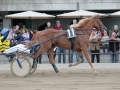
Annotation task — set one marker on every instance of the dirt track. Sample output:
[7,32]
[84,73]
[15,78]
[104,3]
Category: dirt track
[67,79]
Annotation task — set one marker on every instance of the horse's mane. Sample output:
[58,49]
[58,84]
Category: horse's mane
[81,23]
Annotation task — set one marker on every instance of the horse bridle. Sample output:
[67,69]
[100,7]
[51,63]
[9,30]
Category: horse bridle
[102,27]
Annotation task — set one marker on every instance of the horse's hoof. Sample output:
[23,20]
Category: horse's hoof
[96,73]
[57,71]
[70,65]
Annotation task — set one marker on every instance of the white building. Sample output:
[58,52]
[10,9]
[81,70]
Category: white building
[57,7]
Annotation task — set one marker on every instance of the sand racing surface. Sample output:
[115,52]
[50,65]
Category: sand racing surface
[69,78]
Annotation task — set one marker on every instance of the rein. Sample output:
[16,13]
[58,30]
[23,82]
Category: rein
[80,29]
[83,31]
[48,33]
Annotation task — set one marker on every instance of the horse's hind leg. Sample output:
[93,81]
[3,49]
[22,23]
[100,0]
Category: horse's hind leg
[81,61]
[34,60]
[51,59]
[36,54]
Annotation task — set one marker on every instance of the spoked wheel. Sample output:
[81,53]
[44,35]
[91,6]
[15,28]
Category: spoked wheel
[20,67]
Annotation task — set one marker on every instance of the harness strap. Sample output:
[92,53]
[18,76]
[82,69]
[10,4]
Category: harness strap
[72,42]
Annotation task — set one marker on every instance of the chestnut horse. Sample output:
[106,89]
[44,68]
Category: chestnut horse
[59,38]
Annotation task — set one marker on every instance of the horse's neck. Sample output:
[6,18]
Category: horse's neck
[89,27]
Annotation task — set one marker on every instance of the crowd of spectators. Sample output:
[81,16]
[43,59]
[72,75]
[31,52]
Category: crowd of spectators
[110,42]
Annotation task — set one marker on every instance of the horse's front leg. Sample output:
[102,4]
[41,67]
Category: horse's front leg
[51,59]
[85,51]
[81,61]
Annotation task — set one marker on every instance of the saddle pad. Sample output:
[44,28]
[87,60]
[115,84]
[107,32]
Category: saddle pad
[71,33]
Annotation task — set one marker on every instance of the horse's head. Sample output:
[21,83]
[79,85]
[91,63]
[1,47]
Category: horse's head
[98,23]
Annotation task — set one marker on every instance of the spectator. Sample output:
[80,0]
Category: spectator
[5,33]
[116,31]
[18,37]
[71,56]
[73,23]
[12,43]
[94,46]
[110,32]
[58,26]
[25,35]
[32,33]
[17,27]
[14,29]
[114,46]
[72,51]
[105,44]
[10,35]
[49,26]
[101,33]
[61,51]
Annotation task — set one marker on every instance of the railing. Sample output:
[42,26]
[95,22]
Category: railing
[68,54]
[101,53]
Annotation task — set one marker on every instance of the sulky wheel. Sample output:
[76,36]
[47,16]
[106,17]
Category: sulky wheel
[20,67]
